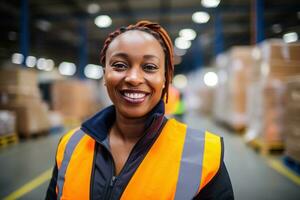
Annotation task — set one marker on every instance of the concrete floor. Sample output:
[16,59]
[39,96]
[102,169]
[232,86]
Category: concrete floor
[251,176]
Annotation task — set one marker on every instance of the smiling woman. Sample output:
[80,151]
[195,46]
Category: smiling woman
[135,79]
[130,150]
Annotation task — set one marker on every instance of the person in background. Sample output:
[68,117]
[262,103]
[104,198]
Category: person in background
[130,150]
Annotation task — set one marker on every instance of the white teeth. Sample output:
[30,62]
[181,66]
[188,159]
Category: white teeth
[134,95]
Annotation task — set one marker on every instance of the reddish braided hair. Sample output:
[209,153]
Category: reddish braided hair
[162,37]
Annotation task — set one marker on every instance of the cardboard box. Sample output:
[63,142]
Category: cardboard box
[18,77]
[73,98]
[31,118]
[277,49]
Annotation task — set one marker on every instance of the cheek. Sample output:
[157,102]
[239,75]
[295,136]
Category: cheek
[157,82]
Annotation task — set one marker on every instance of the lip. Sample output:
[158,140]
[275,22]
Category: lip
[136,93]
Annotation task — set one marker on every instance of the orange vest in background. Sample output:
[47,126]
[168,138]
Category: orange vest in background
[178,165]
[173,100]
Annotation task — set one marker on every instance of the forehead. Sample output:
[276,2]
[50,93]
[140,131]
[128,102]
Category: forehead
[136,42]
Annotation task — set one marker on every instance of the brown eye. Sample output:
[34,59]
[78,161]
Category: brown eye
[150,67]
[119,66]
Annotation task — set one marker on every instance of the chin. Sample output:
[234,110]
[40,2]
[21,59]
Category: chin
[134,112]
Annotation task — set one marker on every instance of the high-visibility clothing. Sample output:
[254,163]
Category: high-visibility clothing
[178,165]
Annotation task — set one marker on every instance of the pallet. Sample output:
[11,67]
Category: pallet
[236,129]
[7,140]
[292,164]
[266,148]
[34,135]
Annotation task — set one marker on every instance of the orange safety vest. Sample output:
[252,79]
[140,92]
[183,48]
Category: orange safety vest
[178,165]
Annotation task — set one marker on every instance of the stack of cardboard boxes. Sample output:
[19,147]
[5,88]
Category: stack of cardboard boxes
[231,92]
[292,119]
[74,99]
[19,93]
[276,62]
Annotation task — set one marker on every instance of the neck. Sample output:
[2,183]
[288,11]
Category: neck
[129,129]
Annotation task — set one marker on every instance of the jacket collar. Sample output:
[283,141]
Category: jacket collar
[98,125]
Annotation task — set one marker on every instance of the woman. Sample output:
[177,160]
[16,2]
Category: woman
[130,150]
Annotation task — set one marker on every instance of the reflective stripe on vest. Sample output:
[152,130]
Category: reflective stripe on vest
[190,174]
[77,173]
[75,138]
[178,165]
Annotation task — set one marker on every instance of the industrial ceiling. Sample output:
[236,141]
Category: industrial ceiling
[57,28]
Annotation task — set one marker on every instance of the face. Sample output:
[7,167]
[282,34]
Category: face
[134,73]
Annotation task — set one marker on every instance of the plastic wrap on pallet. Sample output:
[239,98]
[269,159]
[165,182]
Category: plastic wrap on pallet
[230,101]
[221,96]
[277,49]
[7,122]
[276,61]
[199,96]
[292,118]
[19,93]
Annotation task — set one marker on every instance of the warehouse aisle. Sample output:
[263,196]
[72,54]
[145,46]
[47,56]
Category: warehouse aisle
[252,177]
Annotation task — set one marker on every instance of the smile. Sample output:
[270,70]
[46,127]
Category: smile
[134,97]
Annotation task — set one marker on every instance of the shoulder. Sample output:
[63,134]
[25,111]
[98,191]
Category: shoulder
[63,143]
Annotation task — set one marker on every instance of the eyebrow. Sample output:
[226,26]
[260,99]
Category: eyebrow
[124,55]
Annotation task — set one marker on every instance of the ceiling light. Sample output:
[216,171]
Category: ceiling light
[290,37]
[49,65]
[210,3]
[17,58]
[180,81]
[41,63]
[210,79]
[67,68]
[30,61]
[93,71]
[43,25]
[181,43]
[93,8]
[187,34]
[103,21]
[179,52]
[276,28]
[200,17]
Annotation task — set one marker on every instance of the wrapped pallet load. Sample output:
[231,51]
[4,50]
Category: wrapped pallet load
[74,99]
[292,119]
[275,62]
[230,101]
[19,93]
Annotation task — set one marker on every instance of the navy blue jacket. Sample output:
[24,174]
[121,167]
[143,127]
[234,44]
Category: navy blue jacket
[106,186]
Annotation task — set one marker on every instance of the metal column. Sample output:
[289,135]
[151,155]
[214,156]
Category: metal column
[197,55]
[83,47]
[219,39]
[259,21]
[24,40]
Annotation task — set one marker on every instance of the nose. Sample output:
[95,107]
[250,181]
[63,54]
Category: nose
[134,76]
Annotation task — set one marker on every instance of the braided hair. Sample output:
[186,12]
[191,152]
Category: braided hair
[162,37]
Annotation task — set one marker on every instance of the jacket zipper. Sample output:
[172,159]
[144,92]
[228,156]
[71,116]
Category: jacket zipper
[114,178]
[111,186]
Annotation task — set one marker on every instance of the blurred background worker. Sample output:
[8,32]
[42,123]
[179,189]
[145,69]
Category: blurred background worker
[237,67]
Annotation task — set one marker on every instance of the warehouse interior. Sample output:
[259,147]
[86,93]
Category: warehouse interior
[237,74]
